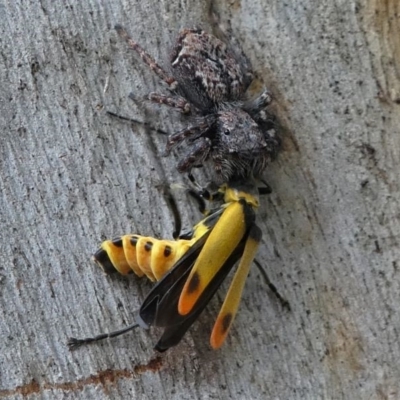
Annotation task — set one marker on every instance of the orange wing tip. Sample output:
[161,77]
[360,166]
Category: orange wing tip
[220,330]
[190,294]
[185,304]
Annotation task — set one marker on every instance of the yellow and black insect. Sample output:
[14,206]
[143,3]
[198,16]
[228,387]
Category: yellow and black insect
[189,270]
[146,255]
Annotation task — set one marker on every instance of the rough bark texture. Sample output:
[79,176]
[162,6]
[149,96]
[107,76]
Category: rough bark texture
[71,176]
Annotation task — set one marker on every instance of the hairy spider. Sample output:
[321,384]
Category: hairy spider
[209,80]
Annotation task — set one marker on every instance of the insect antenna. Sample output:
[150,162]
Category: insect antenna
[74,343]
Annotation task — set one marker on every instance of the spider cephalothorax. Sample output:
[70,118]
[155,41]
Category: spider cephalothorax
[209,80]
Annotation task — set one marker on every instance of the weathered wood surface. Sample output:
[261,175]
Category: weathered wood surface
[71,176]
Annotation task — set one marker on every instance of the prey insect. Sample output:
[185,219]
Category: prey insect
[190,270]
[209,80]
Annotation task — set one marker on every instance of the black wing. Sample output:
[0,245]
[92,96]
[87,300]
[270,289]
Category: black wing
[160,308]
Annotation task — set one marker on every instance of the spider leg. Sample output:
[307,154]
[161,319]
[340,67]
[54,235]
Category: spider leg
[192,132]
[147,58]
[171,101]
[225,34]
[255,107]
[174,102]
[198,153]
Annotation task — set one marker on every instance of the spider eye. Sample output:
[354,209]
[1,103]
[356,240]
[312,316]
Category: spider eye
[227,132]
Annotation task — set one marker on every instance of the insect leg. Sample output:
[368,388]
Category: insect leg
[271,286]
[203,194]
[199,199]
[148,60]
[170,199]
[266,189]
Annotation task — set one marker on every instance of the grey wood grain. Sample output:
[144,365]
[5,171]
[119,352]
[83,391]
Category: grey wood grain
[70,176]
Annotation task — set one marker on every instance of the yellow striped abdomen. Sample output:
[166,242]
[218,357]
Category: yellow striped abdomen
[140,254]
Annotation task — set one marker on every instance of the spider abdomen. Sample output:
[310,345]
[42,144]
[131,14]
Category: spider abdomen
[207,70]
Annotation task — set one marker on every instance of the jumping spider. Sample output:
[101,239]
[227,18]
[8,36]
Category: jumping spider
[209,80]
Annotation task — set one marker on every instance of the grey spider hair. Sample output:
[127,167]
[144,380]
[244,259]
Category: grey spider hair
[210,77]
